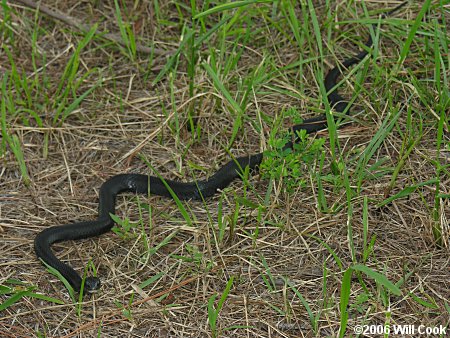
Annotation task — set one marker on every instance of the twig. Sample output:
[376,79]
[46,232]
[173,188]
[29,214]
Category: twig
[54,13]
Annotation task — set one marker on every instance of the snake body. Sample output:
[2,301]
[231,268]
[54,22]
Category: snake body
[144,184]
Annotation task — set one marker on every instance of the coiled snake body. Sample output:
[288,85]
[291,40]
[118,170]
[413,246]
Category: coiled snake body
[140,184]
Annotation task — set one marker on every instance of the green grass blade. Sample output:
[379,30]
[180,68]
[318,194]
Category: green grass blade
[330,250]
[344,300]
[172,60]
[412,32]
[228,6]
[152,279]
[379,278]
[212,314]
[236,107]
[179,204]
[13,299]
[66,283]
[45,298]
[407,191]
[74,105]
[311,316]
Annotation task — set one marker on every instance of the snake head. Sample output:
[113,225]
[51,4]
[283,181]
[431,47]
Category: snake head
[92,284]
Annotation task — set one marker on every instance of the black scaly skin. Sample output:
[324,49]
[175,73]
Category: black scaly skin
[140,184]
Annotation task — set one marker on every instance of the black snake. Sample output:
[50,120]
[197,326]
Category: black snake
[196,190]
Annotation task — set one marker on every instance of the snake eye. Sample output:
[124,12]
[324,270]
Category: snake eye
[92,284]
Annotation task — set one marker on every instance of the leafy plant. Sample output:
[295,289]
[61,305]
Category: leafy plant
[282,163]
[123,227]
[213,312]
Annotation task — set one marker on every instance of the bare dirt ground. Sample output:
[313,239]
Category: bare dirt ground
[126,115]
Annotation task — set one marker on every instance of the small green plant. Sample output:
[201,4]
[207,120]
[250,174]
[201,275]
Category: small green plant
[126,310]
[260,210]
[314,319]
[287,164]
[368,247]
[213,313]
[267,276]
[152,279]
[123,227]
[66,99]
[6,31]
[194,255]
[16,290]
[11,140]
[177,201]
[379,278]
[126,34]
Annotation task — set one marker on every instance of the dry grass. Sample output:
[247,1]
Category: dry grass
[128,115]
